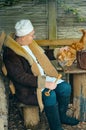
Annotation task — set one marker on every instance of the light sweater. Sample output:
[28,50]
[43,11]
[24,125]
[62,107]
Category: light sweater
[48,78]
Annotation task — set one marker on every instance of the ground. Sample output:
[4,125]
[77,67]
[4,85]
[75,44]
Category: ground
[16,120]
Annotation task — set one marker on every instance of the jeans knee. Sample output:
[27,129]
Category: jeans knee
[63,89]
[49,100]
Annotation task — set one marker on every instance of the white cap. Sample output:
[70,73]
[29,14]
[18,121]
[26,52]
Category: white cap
[23,27]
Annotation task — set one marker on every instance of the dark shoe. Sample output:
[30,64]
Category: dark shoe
[63,106]
[69,120]
[52,115]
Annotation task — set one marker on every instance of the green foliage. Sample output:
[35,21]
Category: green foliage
[70,10]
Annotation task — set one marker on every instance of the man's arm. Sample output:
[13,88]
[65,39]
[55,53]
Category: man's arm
[16,69]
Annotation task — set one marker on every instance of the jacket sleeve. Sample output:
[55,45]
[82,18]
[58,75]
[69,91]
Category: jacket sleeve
[17,71]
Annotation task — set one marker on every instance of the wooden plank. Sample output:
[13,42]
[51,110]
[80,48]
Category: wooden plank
[57,42]
[74,70]
[56,65]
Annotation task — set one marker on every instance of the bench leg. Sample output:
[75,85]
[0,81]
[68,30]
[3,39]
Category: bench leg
[31,115]
[79,99]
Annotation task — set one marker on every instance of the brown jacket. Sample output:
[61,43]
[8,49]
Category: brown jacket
[26,84]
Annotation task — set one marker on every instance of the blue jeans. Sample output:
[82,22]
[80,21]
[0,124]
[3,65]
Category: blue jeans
[62,89]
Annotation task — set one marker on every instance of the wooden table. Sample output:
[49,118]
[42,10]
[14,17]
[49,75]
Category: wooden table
[79,91]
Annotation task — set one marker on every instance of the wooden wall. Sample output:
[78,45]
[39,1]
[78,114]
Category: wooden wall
[25,9]
[69,16]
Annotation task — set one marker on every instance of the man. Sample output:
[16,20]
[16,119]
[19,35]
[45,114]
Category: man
[28,68]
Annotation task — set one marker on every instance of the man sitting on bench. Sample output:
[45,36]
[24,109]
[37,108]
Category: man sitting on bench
[28,68]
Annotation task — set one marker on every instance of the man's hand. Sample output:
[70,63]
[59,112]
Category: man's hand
[50,85]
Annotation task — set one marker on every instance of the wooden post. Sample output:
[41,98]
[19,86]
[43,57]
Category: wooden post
[52,20]
[31,115]
[79,99]
[79,91]
[3,107]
